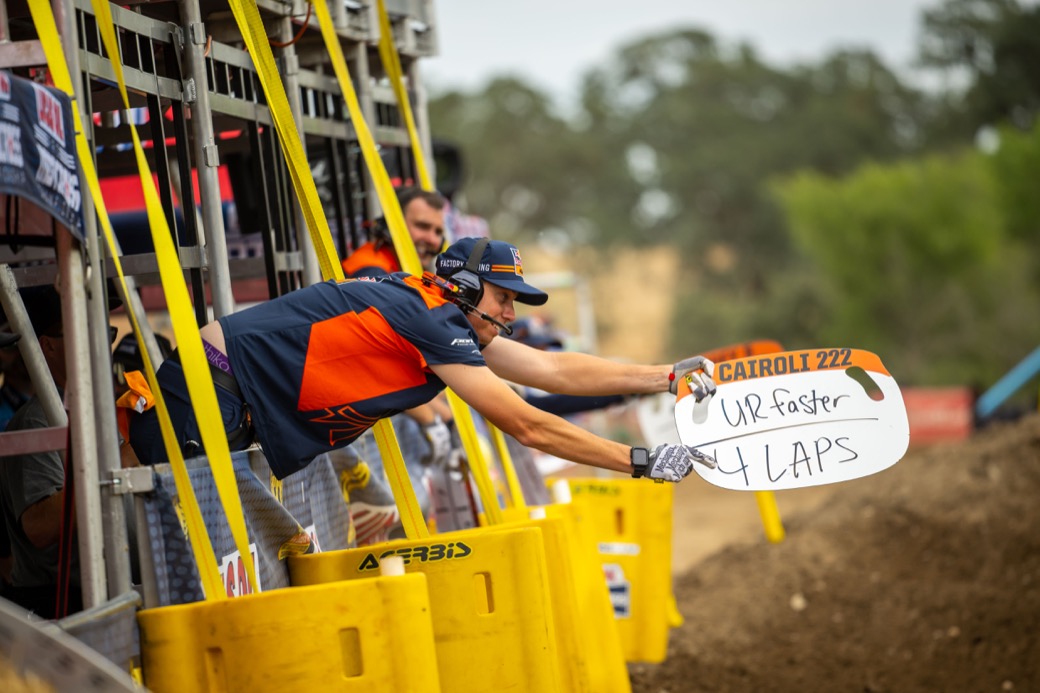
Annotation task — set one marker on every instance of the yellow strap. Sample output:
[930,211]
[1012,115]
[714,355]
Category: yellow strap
[249,24]
[205,558]
[411,515]
[189,342]
[475,456]
[248,18]
[392,65]
[400,482]
[459,409]
[406,253]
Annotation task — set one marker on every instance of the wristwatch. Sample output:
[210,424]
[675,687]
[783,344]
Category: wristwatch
[640,461]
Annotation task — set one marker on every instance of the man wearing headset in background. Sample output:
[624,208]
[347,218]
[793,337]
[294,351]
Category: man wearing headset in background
[423,215]
[424,432]
[315,368]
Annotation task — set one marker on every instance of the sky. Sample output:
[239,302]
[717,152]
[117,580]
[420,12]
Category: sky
[551,43]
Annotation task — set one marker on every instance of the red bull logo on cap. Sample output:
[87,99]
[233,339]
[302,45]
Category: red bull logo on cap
[518,264]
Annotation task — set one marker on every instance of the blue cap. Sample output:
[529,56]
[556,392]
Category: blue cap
[500,265]
[535,334]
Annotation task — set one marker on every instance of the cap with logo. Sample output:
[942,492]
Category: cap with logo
[500,264]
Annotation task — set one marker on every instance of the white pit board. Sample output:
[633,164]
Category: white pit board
[796,419]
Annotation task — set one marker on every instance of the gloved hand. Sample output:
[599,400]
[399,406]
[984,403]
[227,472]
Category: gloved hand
[674,462]
[438,435]
[701,369]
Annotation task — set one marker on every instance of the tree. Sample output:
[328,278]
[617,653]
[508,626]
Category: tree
[995,46]
[516,151]
[916,264]
[710,123]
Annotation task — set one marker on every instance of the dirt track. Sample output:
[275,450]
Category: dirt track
[925,577]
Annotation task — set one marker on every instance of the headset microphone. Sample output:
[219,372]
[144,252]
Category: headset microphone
[484,316]
[457,295]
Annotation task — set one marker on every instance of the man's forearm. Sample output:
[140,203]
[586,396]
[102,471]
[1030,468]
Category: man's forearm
[424,414]
[41,521]
[582,374]
[559,437]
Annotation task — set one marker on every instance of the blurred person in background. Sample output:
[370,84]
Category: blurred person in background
[32,485]
[423,216]
[423,431]
[17,387]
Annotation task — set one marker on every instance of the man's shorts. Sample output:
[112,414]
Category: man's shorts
[146,436]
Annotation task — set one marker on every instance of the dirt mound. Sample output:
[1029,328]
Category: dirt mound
[925,577]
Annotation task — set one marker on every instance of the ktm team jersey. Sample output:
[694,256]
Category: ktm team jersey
[319,366]
[370,261]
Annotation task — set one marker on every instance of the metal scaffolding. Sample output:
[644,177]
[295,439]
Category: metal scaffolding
[196,94]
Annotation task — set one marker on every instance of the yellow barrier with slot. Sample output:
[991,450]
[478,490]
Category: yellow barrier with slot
[586,636]
[490,605]
[372,635]
[631,522]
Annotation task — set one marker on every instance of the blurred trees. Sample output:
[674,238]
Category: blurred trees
[827,203]
[993,45]
[514,146]
[916,262]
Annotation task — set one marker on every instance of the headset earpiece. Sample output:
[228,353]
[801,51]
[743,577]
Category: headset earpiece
[471,289]
[465,288]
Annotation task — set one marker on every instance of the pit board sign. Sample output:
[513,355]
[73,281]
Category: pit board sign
[796,419]
[656,413]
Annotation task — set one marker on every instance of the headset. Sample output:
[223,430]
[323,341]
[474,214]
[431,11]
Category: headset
[465,288]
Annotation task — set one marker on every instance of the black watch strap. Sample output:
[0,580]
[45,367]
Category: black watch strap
[640,461]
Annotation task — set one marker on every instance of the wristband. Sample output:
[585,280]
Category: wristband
[640,458]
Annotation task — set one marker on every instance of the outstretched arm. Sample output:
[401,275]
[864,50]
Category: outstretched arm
[573,373]
[497,402]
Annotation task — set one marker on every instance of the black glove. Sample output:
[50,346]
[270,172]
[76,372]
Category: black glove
[674,462]
[700,370]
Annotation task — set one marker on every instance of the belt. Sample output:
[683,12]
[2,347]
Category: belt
[242,435]
[221,379]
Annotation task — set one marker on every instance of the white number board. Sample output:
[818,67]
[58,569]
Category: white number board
[795,419]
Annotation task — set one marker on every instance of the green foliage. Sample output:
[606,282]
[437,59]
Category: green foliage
[827,204]
[1016,163]
[917,265]
[514,148]
[996,45]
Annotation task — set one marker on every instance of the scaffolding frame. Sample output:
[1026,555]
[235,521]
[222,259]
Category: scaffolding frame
[186,67]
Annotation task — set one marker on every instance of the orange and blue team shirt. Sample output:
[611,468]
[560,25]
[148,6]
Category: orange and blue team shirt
[319,366]
[371,260]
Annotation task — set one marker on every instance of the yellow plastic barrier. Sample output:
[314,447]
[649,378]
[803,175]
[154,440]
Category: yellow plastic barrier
[489,596]
[631,521]
[587,638]
[372,636]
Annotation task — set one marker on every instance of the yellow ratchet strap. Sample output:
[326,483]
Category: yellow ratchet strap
[392,65]
[205,557]
[248,17]
[516,492]
[404,246]
[406,253]
[252,28]
[189,343]
[475,456]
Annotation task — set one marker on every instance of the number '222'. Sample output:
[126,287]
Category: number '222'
[833,358]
